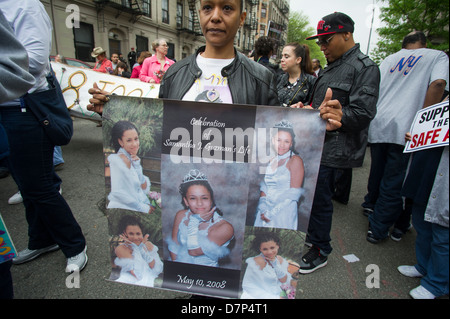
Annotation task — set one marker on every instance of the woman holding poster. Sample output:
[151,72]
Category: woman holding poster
[267,275]
[137,257]
[129,185]
[281,188]
[200,235]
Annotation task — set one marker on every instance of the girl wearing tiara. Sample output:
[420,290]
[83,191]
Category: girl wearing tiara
[129,185]
[281,188]
[266,273]
[199,235]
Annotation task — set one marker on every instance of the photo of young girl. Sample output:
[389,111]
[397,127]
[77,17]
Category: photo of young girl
[200,234]
[268,275]
[129,186]
[134,255]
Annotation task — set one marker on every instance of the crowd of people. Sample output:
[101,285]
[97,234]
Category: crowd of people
[362,104]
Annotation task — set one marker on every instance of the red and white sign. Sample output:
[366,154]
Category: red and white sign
[429,129]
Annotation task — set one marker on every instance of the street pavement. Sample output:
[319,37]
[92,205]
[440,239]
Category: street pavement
[373,276]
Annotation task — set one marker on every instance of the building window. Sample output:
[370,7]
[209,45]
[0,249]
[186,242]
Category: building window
[165,11]
[84,42]
[141,44]
[179,15]
[146,8]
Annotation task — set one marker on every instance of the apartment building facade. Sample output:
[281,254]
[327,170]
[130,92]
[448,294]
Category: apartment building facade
[119,25]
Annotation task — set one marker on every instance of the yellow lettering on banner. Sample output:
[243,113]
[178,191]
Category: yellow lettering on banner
[138,89]
[75,88]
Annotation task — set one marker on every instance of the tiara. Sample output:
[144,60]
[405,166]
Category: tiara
[194,175]
[284,124]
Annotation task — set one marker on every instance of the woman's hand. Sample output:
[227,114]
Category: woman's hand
[300,105]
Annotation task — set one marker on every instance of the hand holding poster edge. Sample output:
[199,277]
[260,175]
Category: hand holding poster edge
[430,128]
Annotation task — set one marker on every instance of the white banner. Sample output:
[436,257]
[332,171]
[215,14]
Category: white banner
[75,83]
[429,129]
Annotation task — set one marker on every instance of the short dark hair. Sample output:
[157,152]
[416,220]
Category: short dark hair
[414,37]
[242,5]
[264,46]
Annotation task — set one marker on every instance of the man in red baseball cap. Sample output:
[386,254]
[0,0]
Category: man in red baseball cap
[336,25]
[349,83]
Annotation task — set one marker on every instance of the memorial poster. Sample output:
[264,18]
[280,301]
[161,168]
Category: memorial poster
[209,199]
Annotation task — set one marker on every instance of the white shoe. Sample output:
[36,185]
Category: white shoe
[409,271]
[78,262]
[421,293]
[17,197]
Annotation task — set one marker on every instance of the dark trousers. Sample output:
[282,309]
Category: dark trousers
[322,210]
[50,219]
[389,166]
[6,284]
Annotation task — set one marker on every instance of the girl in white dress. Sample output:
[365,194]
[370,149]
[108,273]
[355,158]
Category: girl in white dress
[266,273]
[129,186]
[137,257]
[200,235]
[281,188]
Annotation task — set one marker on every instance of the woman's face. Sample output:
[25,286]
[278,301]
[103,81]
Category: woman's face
[289,61]
[269,249]
[134,234]
[162,48]
[198,199]
[220,21]
[130,141]
[282,142]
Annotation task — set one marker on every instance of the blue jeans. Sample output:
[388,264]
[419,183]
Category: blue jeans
[390,162]
[57,156]
[50,219]
[431,253]
[322,210]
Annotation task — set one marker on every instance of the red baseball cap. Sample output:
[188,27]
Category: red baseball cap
[334,23]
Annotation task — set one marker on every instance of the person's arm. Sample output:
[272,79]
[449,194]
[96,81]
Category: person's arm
[434,93]
[15,80]
[363,98]
[146,72]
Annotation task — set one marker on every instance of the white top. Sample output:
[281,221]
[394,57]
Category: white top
[126,191]
[211,86]
[405,78]
[263,283]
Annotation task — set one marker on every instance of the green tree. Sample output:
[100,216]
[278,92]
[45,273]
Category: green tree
[299,29]
[401,17]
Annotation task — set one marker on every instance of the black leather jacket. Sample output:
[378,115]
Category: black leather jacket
[355,81]
[249,82]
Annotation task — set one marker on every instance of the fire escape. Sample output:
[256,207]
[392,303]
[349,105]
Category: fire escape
[191,23]
[134,8]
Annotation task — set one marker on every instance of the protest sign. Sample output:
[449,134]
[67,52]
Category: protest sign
[75,83]
[429,129]
[7,249]
[183,194]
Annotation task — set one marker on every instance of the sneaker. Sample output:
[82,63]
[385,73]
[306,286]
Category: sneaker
[371,238]
[30,254]
[367,211]
[78,262]
[397,234]
[15,199]
[421,293]
[312,261]
[409,271]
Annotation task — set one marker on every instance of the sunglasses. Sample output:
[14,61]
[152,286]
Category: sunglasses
[325,42]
